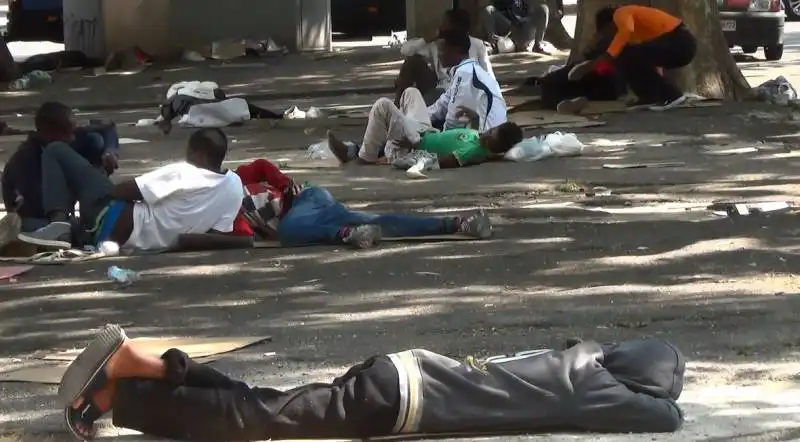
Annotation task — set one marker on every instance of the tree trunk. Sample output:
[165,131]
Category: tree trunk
[8,69]
[712,74]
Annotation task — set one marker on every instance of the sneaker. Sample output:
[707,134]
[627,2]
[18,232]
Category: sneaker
[476,225]
[669,104]
[56,235]
[573,106]
[641,104]
[363,237]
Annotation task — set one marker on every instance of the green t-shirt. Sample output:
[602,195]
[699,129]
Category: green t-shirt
[464,144]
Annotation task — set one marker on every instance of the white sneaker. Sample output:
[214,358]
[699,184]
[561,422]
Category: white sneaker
[667,105]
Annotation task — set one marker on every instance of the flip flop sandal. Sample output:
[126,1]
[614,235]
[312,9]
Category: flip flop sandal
[86,374]
[86,415]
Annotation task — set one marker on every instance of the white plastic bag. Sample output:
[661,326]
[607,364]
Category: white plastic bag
[555,144]
[320,151]
[220,114]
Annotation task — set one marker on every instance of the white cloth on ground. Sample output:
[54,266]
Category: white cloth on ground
[475,89]
[219,114]
[387,124]
[180,198]
[430,51]
[202,90]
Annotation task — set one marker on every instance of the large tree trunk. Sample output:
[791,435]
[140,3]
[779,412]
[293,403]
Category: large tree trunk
[713,73]
[8,69]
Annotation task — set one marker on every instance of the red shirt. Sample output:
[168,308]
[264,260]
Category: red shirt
[263,204]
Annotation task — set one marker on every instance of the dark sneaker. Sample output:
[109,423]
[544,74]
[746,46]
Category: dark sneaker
[363,237]
[669,104]
[55,235]
[641,104]
[573,106]
[338,148]
[477,225]
[540,49]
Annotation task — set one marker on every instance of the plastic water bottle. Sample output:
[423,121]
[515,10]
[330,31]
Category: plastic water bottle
[123,277]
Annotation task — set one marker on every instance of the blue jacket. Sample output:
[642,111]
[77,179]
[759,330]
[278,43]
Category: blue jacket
[22,175]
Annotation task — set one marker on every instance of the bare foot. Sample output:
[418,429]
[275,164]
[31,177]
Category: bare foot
[339,149]
[83,415]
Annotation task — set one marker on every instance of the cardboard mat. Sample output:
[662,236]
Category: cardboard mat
[203,350]
[432,238]
[547,118]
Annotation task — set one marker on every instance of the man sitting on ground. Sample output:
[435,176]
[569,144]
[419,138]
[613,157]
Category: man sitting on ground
[402,130]
[423,69]
[97,143]
[146,213]
[626,387]
[521,20]
[275,207]
[646,40]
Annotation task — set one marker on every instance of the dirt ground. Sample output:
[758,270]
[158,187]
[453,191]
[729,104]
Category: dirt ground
[646,261]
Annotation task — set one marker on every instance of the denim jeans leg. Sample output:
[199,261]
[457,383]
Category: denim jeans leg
[400,225]
[315,218]
[67,176]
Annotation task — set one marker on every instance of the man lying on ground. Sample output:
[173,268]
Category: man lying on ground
[567,96]
[627,387]
[471,87]
[275,207]
[423,69]
[646,41]
[147,213]
[392,131]
[22,180]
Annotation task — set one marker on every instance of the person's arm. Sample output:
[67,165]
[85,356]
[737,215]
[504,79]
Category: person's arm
[625,25]
[462,96]
[438,110]
[415,46]
[484,61]
[9,189]
[126,191]
[448,161]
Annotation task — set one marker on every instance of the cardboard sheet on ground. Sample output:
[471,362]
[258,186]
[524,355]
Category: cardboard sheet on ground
[433,238]
[203,350]
[607,107]
[10,272]
[644,165]
[546,118]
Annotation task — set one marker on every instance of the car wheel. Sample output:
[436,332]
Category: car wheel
[774,52]
[792,8]
[749,49]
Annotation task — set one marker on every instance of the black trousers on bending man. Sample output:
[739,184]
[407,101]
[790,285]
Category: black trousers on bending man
[638,64]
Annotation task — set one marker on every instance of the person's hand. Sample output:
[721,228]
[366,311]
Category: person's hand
[404,143]
[465,112]
[110,163]
[433,36]
[580,70]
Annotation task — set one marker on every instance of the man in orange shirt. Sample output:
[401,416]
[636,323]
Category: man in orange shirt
[645,40]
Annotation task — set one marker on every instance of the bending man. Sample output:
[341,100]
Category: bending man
[646,41]
[629,387]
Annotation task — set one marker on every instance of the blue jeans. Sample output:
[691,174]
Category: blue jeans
[316,218]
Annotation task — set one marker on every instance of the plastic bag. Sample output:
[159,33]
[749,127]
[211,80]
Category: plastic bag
[320,151]
[538,148]
[416,162]
[505,45]
[777,91]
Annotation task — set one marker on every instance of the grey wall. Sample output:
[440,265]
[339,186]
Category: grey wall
[83,27]
[297,24]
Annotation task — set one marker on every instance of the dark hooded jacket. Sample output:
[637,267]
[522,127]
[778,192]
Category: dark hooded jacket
[630,387]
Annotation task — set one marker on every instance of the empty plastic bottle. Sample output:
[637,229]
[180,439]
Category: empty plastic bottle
[123,277]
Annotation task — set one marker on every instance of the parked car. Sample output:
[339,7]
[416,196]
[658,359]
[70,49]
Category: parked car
[753,24]
[35,20]
[792,8]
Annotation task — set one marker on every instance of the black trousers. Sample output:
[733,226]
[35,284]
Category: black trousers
[197,403]
[638,62]
[415,72]
[556,87]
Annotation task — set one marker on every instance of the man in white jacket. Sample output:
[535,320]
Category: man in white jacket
[472,87]
[422,67]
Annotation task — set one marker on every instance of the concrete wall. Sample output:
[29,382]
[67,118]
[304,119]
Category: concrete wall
[424,16]
[163,28]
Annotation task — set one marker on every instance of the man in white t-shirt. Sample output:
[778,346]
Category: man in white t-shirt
[422,67]
[147,213]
